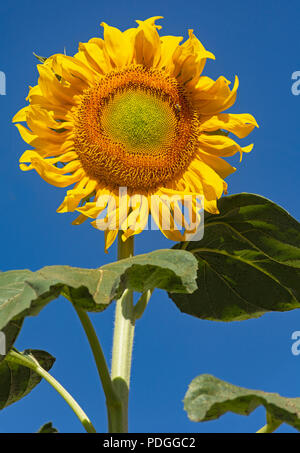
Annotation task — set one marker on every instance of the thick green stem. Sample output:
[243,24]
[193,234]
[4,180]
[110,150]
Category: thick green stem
[32,363]
[113,402]
[122,346]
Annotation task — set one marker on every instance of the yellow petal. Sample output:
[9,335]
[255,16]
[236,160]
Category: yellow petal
[216,98]
[91,54]
[164,219]
[42,124]
[119,46]
[239,124]
[151,22]
[90,210]
[109,238]
[67,157]
[83,189]
[220,145]
[220,166]
[26,134]
[169,44]
[53,175]
[55,91]
[212,183]
[147,42]
[78,74]
[34,91]
[93,209]
[21,115]
[190,59]
[136,221]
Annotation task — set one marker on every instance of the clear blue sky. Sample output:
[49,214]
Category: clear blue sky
[258,41]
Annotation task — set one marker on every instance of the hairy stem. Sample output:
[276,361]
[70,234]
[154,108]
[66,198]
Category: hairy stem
[122,345]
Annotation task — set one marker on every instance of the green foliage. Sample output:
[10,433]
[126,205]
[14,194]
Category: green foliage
[25,293]
[208,398]
[249,261]
[247,264]
[16,380]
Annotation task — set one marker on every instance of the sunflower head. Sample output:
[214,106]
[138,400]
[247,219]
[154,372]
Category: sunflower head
[132,110]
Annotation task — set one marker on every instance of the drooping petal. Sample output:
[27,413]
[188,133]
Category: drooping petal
[221,145]
[241,124]
[55,91]
[82,190]
[74,71]
[190,59]
[220,166]
[109,238]
[211,97]
[43,125]
[21,115]
[212,183]
[56,176]
[27,135]
[90,210]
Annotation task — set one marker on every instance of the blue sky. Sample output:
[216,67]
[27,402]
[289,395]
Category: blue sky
[258,41]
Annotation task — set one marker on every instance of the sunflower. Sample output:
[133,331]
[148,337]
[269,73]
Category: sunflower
[132,111]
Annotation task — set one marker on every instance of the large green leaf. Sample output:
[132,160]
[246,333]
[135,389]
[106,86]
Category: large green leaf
[24,293]
[16,380]
[249,261]
[208,398]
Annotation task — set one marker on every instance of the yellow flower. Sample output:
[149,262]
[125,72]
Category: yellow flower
[132,110]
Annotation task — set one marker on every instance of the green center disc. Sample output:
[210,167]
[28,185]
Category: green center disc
[139,120]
